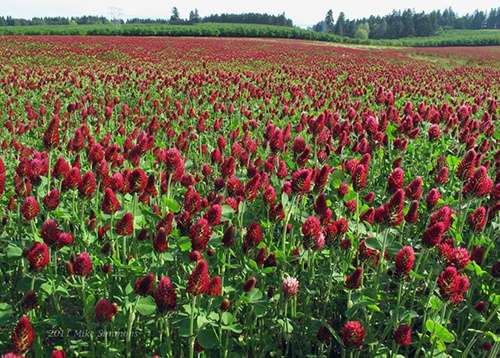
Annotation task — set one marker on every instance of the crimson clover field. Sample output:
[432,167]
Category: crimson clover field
[182,197]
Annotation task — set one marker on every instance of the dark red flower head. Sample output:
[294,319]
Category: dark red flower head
[199,280]
[299,145]
[458,257]
[215,286]
[442,176]
[192,200]
[125,226]
[321,179]
[343,189]
[50,231]
[252,187]
[404,260]
[254,236]
[443,215]
[105,310]
[160,241]
[434,132]
[321,207]
[64,238]
[199,234]
[402,335]
[466,166]
[432,197]
[30,208]
[29,300]
[396,179]
[354,280]
[481,306]
[249,284]
[229,235]
[82,264]
[368,198]
[414,189]
[61,168]
[480,184]
[359,177]
[214,214]
[228,167]
[412,214]
[311,227]
[58,353]
[51,200]
[477,254]
[144,285]
[452,285]
[352,333]
[165,295]
[38,256]
[72,179]
[51,135]
[301,181]
[225,305]
[110,203]
[174,163]
[394,208]
[87,185]
[269,195]
[477,219]
[433,234]
[23,335]
[137,181]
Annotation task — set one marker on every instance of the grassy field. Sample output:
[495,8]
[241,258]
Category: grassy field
[450,38]
[446,38]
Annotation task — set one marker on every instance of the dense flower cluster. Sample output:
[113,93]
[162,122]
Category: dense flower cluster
[243,197]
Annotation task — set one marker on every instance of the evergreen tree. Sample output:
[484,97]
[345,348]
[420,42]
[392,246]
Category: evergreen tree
[329,25]
[175,17]
[491,21]
[409,26]
[448,18]
[194,17]
[340,25]
[478,20]
[378,29]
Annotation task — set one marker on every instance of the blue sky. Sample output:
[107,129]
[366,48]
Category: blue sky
[303,13]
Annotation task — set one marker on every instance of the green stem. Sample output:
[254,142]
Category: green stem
[167,333]
[191,328]
[168,185]
[131,319]
[49,178]
[474,339]
[400,290]
[287,219]
[431,292]
[285,315]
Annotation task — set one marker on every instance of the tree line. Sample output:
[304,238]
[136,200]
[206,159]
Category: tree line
[175,19]
[407,23]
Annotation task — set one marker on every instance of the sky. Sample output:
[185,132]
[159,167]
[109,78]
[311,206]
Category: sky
[303,13]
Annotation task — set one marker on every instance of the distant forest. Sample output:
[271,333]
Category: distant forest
[407,23]
[174,19]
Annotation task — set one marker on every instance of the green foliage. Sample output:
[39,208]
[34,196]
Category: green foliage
[446,38]
[362,31]
[408,23]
